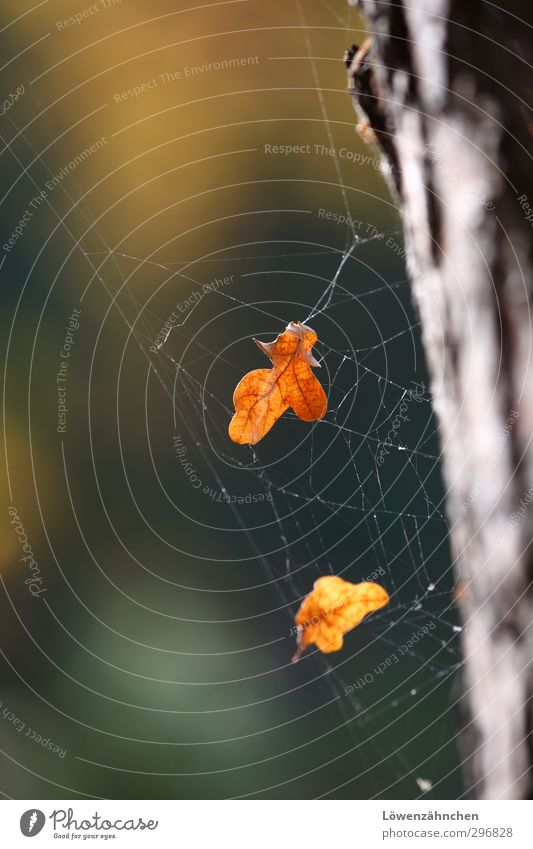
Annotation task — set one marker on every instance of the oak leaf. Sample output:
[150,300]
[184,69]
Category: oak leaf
[334,607]
[263,395]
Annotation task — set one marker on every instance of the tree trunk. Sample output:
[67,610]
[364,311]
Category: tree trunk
[443,86]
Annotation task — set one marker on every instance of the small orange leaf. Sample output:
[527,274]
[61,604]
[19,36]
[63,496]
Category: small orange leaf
[334,607]
[263,395]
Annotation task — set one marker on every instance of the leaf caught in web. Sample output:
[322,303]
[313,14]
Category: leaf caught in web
[263,395]
[334,607]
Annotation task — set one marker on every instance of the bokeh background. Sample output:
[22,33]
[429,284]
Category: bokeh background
[155,659]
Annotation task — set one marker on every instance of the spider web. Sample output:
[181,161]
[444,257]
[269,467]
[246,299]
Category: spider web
[324,484]
[332,489]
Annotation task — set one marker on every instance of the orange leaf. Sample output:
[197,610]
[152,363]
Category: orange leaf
[262,396]
[333,608]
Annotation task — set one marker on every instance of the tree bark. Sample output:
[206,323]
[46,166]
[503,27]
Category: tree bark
[443,86]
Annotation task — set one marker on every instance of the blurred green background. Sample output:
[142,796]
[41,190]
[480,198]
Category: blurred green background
[156,656]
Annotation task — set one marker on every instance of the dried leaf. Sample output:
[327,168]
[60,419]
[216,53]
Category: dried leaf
[263,395]
[334,607]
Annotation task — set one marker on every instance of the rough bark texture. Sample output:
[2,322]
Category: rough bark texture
[445,86]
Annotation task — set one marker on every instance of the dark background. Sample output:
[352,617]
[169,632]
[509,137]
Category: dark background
[159,653]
